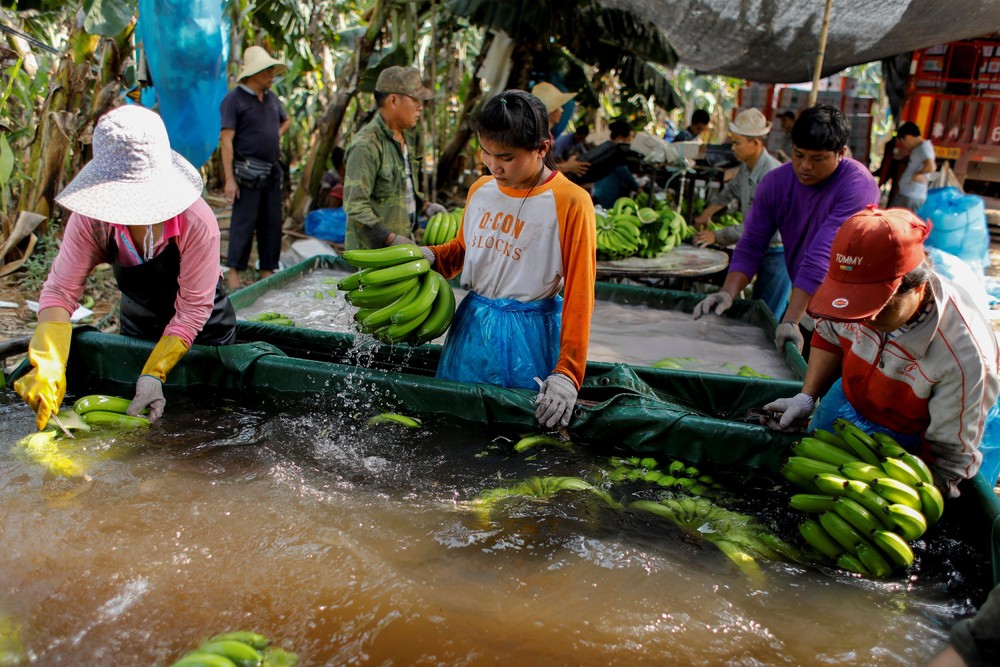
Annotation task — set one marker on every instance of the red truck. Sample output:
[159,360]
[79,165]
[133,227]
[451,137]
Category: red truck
[953,95]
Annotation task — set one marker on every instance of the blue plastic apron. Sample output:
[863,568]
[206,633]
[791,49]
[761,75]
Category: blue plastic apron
[502,342]
[835,404]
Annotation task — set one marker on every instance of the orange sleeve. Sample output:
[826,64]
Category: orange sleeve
[450,257]
[577,237]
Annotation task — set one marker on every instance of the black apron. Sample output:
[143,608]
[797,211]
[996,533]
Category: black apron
[149,291]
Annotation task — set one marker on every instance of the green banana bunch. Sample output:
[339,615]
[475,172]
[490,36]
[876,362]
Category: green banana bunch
[238,649]
[537,487]
[677,476]
[876,499]
[740,536]
[102,410]
[443,227]
[399,298]
[618,236]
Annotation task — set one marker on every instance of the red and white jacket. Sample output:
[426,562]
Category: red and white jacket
[936,376]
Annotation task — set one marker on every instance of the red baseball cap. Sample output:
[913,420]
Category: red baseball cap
[871,253]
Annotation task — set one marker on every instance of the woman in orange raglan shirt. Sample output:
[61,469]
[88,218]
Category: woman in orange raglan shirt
[527,234]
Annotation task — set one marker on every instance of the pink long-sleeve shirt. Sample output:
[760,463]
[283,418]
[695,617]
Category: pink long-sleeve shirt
[85,245]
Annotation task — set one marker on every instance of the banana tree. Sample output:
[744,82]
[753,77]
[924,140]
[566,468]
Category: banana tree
[82,83]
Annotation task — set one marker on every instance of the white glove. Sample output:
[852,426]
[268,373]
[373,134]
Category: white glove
[788,332]
[428,254]
[433,209]
[721,301]
[555,401]
[643,181]
[148,394]
[399,239]
[791,409]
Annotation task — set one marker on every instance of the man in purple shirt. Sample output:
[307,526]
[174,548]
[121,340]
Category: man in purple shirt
[806,200]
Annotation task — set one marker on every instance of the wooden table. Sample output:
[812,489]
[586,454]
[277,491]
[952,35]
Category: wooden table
[685,261]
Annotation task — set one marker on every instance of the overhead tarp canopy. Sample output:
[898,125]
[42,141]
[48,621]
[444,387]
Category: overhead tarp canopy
[777,40]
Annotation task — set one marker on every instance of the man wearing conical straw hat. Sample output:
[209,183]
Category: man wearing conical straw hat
[253,121]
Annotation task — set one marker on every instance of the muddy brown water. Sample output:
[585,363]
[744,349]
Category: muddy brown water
[353,545]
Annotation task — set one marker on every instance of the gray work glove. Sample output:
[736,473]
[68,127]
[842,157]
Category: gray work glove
[148,394]
[428,254]
[555,401]
[720,301]
[788,332]
[792,409]
[399,239]
[434,209]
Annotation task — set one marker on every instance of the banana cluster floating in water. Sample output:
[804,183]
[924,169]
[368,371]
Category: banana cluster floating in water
[238,649]
[64,457]
[274,318]
[869,498]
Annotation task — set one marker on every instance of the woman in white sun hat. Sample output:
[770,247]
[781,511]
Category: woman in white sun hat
[136,205]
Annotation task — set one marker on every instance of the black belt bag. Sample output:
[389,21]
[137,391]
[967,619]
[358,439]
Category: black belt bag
[252,173]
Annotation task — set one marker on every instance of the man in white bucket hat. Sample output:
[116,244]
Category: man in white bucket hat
[136,205]
[253,121]
[748,132]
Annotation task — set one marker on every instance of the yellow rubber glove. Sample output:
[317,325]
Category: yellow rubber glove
[44,386]
[165,355]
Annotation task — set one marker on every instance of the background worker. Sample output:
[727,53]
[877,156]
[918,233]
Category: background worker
[528,233]
[571,143]
[253,122]
[700,121]
[786,120]
[136,205]
[554,100]
[619,182]
[911,192]
[381,195]
[805,200]
[748,130]
[916,357]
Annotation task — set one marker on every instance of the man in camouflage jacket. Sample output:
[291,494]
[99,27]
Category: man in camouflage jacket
[381,198]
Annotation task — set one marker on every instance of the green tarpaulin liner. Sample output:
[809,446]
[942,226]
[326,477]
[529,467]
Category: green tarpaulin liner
[422,360]
[678,419]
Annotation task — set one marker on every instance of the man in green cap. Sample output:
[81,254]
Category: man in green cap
[381,198]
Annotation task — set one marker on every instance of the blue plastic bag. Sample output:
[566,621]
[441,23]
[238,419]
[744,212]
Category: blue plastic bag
[186,43]
[329,224]
[502,342]
[958,226]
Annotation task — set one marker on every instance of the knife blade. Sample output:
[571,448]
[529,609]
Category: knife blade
[62,428]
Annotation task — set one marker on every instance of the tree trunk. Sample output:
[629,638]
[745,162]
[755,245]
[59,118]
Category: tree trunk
[449,164]
[329,127]
[67,116]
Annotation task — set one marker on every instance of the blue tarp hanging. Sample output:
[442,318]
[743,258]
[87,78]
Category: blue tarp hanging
[186,43]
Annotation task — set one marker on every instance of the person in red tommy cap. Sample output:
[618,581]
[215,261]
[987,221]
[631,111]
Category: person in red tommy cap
[915,357]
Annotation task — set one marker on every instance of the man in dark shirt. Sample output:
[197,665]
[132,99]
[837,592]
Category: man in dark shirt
[253,121]
[700,120]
